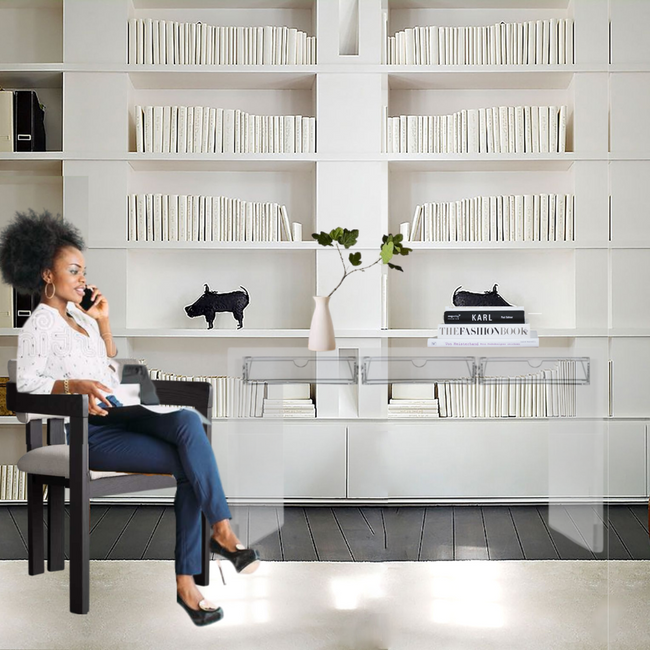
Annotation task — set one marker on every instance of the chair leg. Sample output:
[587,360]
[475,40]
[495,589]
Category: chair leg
[203,578]
[55,528]
[35,542]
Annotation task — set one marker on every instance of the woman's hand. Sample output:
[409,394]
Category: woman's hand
[99,309]
[94,390]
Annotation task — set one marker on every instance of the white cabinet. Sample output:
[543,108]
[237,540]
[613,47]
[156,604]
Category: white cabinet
[584,297]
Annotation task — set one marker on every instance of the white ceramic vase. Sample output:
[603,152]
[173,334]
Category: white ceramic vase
[321,332]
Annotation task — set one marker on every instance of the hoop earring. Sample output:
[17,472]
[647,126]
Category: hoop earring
[53,290]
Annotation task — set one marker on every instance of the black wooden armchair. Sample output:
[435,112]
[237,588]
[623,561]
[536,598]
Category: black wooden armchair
[59,466]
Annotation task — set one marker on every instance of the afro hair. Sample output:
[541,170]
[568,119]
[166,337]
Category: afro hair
[29,245]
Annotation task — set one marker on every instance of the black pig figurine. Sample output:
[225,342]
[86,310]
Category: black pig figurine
[212,302]
[485,299]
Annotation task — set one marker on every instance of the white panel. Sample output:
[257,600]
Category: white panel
[349,113]
[275,459]
[630,20]
[591,202]
[630,106]
[630,224]
[32,34]
[162,283]
[630,379]
[95,118]
[95,199]
[544,284]
[627,459]
[95,31]
[591,33]
[590,117]
[591,288]
[18,194]
[630,272]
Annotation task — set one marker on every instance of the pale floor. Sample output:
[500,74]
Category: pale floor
[468,605]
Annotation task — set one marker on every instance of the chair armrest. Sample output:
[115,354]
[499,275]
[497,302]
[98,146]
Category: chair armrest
[59,404]
[186,393]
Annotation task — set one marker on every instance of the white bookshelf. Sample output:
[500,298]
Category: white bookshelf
[582,296]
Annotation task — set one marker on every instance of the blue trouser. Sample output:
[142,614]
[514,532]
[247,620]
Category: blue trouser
[173,443]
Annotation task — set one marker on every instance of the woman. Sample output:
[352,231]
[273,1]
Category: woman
[64,349]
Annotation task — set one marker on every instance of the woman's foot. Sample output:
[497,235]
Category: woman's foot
[223,534]
[190,594]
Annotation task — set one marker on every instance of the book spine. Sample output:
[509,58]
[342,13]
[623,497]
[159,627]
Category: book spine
[484,317]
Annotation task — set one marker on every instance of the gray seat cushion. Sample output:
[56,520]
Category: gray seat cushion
[54,460]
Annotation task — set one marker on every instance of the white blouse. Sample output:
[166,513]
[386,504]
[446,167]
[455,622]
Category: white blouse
[49,349]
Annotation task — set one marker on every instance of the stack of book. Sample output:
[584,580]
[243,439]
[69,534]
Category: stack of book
[183,217]
[204,129]
[548,41]
[413,408]
[485,327]
[496,129]
[512,217]
[289,408]
[13,486]
[163,42]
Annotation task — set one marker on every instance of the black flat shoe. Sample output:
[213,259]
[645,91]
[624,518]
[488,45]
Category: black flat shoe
[246,560]
[203,616]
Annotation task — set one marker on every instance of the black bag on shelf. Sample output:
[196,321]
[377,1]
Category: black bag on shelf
[29,122]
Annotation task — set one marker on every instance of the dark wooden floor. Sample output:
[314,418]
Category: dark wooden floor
[147,532]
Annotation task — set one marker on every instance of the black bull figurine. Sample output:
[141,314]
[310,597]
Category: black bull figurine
[212,302]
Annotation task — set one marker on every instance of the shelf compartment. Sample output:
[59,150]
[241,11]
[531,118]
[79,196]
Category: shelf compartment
[495,370]
[300,370]
[414,370]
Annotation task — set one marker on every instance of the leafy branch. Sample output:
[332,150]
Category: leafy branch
[391,245]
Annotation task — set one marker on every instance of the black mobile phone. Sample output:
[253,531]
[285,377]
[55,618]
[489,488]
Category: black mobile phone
[86,302]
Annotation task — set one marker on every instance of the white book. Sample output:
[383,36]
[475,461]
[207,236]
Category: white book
[139,41]
[503,129]
[561,41]
[534,125]
[484,330]
[285,223]
[502,225]
[312,134]
[569,41]
[229,130]
[552,41]
[132,219]
[511,129]
[473,133]
[166,125]
[531,43]
[528,130]
[139,129]
[157,217]
[148,41]
[173,130]
[529,223]
[212,126]
[539,41]
[552,128]
[155,35]
[519,217]
[205,130]
[162,41]
[237,130]
[218,135]
[546,35]
[543,217]
[141,217]
[519,129]
[201,219]
[560,218]
[182,129]
[182,218]
[217,210]
[198,129]
[551,217]
[570,232]
[484,203]
[492,210]
[536,218]
[149,217]
[173,217]
[165,217]
[148,129]
[190,130]
[561,136]
[543,129]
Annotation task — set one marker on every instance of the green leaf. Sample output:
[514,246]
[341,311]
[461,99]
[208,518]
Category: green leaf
[405,251]
[336,234]
[398,238]
[349,238]
[387,252]
[323,238]
[394,266]
[355,259]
